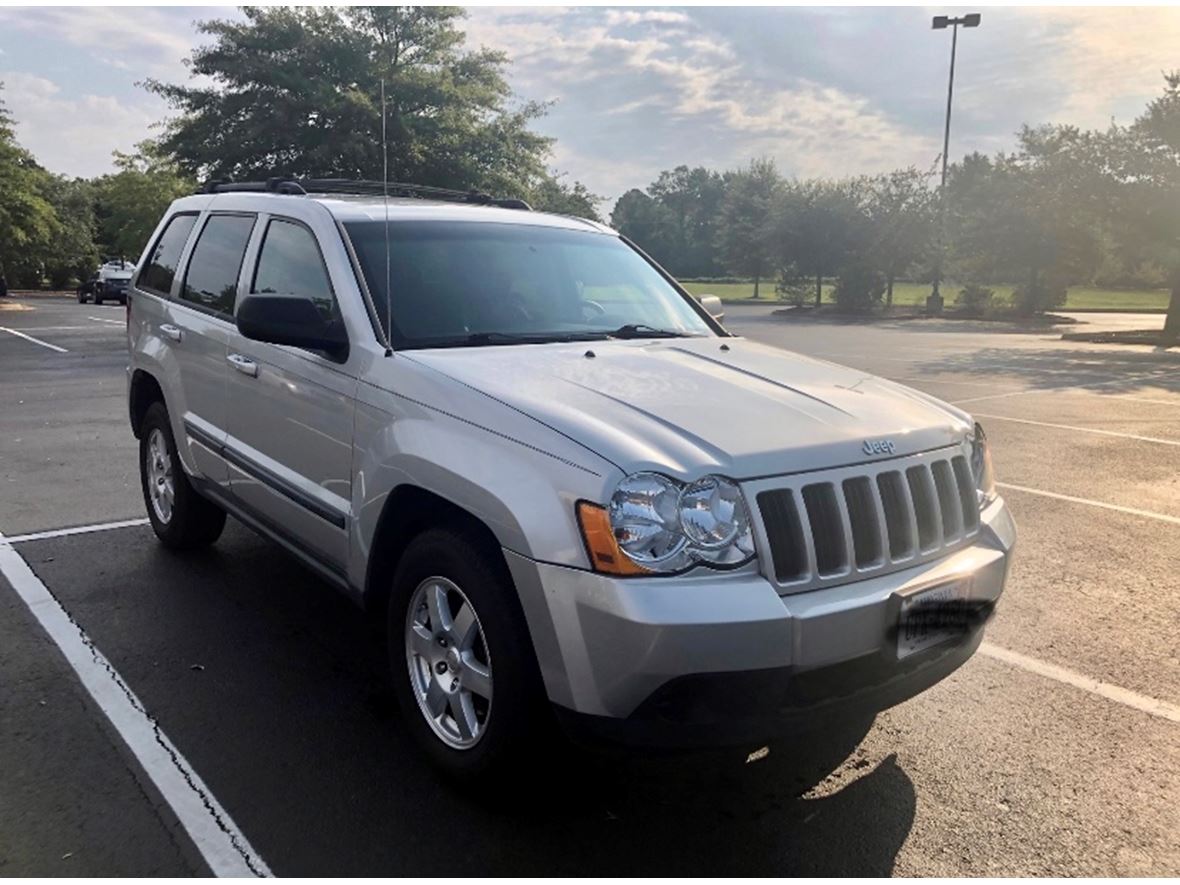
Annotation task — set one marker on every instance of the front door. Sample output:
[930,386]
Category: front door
[290,411]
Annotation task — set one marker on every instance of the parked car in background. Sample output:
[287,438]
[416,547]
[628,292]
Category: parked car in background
[109,283]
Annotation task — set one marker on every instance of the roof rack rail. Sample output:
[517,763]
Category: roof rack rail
[301,186]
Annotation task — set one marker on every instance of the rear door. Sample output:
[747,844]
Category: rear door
[200,318]
[290,411]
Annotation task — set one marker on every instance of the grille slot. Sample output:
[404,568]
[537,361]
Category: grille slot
[862,514]
[897,514]
[784,531]
[830,527]
[827,528]
[925,505]
[967,496]
[948,500]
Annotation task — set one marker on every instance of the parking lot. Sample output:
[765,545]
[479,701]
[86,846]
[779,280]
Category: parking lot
[1055,750]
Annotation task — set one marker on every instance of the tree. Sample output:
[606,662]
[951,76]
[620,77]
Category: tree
[692,198]
[552,194]
[1147,168]
[297,91]
[818,225]
[131,201]
[28,223]
[1017,218]
[646,223]
[73,255]
[901,212]
[745,233]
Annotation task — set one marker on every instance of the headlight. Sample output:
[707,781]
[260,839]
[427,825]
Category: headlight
[981,468]
[654,524]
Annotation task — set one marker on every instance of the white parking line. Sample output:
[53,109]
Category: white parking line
[34,340]
[222,845]
[1134,436]
[1126,697]
[87,328]
[1133,511]
[76,530]
[105,320]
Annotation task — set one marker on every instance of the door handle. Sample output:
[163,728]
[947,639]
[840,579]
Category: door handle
[170,331]
[243,364]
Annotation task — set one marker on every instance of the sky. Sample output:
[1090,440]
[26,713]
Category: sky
[823,91]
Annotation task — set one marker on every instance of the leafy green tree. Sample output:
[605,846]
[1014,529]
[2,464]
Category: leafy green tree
[131,201]
[648,224]
[1147,204]
[818,226]
[552,194]
[745,240]
[73,255]
[28,223]
[1017,218]
[901,211]
[297,91]
[692,198]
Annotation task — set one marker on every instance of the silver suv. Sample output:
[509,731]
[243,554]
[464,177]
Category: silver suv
[558,480]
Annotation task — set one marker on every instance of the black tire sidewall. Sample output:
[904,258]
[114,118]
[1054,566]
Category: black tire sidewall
[517,699]
[195,521]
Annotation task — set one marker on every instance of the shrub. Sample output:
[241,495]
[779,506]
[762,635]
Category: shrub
[975,299]
[1038,296]
[859,288]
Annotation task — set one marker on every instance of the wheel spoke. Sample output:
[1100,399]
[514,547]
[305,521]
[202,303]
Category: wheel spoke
[421,641]
[436,698]
[440,609]
[464,628]
[464,712]
[476,677]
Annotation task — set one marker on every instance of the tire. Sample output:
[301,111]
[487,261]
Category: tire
[81,297]
[97,298]
[180,517]
[510,718]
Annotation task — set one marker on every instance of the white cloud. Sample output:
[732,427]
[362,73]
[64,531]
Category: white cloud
[74,134]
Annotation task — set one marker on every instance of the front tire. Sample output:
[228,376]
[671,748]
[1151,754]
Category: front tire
[462,660]
[180,517]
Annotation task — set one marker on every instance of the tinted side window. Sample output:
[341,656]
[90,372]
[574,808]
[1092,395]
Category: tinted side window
[212,277]
[290,263]
[161,267]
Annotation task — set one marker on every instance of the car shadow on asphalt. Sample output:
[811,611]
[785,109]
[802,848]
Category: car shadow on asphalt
[275,688]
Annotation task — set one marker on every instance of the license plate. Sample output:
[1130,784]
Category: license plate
[931,616]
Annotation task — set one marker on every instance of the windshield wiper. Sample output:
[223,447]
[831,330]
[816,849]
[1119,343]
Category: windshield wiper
[478,339]
[641,330]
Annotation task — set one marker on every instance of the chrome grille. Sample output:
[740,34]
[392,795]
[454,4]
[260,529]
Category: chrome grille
[843,525]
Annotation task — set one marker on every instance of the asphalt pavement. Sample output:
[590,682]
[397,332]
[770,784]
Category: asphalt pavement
[1055,750]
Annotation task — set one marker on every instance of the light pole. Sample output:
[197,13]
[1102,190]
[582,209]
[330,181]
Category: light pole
[934,300]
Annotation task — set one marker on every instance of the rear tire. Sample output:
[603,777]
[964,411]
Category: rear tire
[97,298]
[180,517]
[434,671]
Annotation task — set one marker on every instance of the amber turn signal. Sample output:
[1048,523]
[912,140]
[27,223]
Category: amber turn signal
[604,552]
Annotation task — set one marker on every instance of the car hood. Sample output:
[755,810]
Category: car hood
[688,406]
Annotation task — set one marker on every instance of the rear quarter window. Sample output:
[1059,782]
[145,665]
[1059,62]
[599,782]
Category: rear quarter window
[160,269]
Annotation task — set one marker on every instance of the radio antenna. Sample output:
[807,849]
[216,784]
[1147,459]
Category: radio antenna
[385,203]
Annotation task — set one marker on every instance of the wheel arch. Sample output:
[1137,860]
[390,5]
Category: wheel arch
[144,390]
[408,511]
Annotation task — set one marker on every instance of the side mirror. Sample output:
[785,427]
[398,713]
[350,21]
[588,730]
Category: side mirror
[293,320]
[712,304]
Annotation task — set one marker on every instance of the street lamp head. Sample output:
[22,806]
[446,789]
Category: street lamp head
[972,20]
[940,22]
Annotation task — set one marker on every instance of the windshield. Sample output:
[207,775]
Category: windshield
[472,283]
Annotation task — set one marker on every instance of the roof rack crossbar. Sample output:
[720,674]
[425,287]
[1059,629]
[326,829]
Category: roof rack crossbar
[299,186]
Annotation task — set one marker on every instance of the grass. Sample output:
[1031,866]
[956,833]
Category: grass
[915,293]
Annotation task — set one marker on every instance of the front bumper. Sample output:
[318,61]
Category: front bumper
[709,658]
